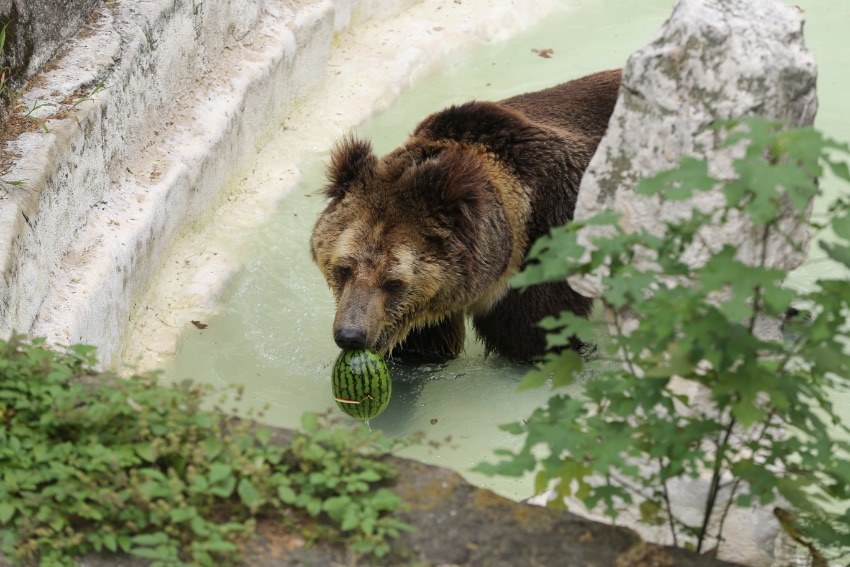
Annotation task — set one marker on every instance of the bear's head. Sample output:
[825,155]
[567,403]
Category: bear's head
[409,239]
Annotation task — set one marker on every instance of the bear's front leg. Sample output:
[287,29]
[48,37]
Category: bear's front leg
[434,343]
[510,329]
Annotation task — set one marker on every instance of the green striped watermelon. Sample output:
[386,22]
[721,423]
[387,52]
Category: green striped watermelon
[361,383]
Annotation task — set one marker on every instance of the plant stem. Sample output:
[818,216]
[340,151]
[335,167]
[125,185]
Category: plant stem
[625,350]
[669,507]
[714,488]
[737,481]
[639,490]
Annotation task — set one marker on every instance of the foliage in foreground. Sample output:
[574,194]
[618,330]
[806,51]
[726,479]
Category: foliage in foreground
[93,464]
[766,431]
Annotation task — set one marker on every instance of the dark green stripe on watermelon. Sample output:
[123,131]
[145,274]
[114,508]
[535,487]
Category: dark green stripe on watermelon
[361,383]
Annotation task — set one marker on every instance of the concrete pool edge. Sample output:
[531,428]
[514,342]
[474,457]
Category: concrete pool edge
[115,181]
[364,77]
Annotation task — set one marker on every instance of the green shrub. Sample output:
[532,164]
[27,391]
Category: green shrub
[767,429]
[93,463]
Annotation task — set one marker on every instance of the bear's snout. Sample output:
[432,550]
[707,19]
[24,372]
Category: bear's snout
[349,337]
[358,317]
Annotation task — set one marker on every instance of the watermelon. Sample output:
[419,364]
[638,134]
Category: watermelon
[361,383]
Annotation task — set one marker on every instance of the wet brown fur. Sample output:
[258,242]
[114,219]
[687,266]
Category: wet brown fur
[412,242]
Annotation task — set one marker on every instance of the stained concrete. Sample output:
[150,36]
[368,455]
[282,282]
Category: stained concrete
[37,30]
[187,91]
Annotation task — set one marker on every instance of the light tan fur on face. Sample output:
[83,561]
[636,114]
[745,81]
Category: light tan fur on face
[420,283]
[375,259]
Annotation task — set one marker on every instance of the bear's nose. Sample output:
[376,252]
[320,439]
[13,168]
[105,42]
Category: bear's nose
[350,338]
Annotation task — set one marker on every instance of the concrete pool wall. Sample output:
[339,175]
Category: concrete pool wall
[186,91]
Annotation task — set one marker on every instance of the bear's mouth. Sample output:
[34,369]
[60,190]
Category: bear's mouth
[391,341]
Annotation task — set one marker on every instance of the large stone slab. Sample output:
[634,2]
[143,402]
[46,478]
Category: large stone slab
[713,59]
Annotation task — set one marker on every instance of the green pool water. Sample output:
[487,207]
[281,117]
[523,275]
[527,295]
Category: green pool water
[273,333]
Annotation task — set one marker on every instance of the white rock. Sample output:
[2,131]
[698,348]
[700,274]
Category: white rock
[713,59]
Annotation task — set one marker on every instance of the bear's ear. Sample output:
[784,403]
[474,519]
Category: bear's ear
[350,159]
[456,184]
[453,178]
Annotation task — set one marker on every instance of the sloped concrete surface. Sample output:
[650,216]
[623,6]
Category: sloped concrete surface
[371,63]
[142,140]
[186,92]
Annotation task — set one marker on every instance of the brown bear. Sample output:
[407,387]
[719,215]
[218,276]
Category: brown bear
[416,240]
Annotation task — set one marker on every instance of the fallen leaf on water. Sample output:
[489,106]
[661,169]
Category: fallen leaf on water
[199,325]
[544,53]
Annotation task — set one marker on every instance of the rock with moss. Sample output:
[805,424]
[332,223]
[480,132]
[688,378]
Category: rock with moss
[712,60]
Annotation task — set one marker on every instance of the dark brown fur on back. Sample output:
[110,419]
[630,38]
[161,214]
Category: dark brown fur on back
[412,242]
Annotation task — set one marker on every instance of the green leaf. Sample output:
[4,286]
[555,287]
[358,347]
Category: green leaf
[263,435]
[570,364]
[336,505]
[309,422]
[650,512]
[182,514]
[146,452]
[160,552]
[200,526]
[85,352]
[679,183]
[841,226]
[533,379]
[314,506]
[573,475]
[286,494]
[839,253]
[212,448]
[224,488]
[350,519]
[219,472]
[157,538]
[217,546]
[7,511]
[839,168]
[518,465]
[249,494]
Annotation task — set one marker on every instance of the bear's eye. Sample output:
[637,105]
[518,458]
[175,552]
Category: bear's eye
[392,285]
[342,274]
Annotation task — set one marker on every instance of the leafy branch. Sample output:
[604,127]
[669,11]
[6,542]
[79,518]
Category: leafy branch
[683,386]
